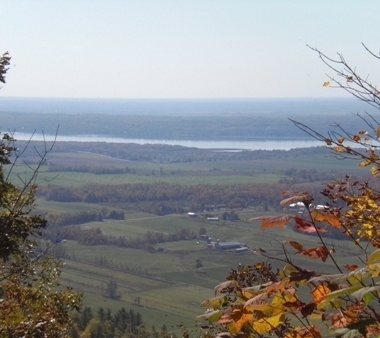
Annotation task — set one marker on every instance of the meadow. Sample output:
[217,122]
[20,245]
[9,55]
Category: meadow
[165,286]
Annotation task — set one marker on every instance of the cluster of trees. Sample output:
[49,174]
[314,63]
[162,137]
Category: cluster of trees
[103,323]
[32,303]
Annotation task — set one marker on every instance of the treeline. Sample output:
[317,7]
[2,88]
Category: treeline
[166,153]
[92,237]
[67,218]
[90,169]
[198,196]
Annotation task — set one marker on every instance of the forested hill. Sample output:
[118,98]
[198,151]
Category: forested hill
[228,126]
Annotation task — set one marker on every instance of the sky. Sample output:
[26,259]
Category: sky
[183,48]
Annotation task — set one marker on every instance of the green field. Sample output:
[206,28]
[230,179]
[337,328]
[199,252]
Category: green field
[165,287]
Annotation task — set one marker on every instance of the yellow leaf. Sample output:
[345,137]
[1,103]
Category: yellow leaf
[373,257]
[378,131]
[375,171]
[267,324]
[374,270]
[365,163]
[326,83]
[214,302]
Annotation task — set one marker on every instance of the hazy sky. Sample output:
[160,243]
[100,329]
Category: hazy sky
[182,49]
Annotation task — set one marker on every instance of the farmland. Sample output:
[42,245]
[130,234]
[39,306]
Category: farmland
[159,278]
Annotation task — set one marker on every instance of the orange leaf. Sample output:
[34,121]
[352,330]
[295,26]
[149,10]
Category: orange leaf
[318,252]
[236,319]
[320,292]
[350,267]
[305,332]
[328,217]
[307,227]
[356,138]
[378,131]
[268,222]
[296,245]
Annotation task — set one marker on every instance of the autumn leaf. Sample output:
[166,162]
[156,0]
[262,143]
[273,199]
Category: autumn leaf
[268,222]
[319,292]
[356,138]
[307,227]
[378,131]
[304,332]
[296,245]
[236,319]
[318,252]
[322,216]
[373,257]
[326,84]
[350,267]
[350,78]
[264,325]
[215,302]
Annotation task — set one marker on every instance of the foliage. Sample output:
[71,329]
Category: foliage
[106,324]
[297,301]
[31,305]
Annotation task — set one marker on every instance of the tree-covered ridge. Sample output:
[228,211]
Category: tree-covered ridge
[234,126]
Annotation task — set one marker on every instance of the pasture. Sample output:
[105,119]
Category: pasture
[165,287]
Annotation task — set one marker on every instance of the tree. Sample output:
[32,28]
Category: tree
[297,301]
[111,290]
[31,304]
[198,264]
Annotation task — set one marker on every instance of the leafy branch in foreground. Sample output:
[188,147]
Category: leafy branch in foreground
[31,304]
[297,301]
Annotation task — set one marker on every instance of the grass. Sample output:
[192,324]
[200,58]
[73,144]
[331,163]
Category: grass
[167,283]
[169,287]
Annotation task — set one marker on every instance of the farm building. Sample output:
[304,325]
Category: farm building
[229,245]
